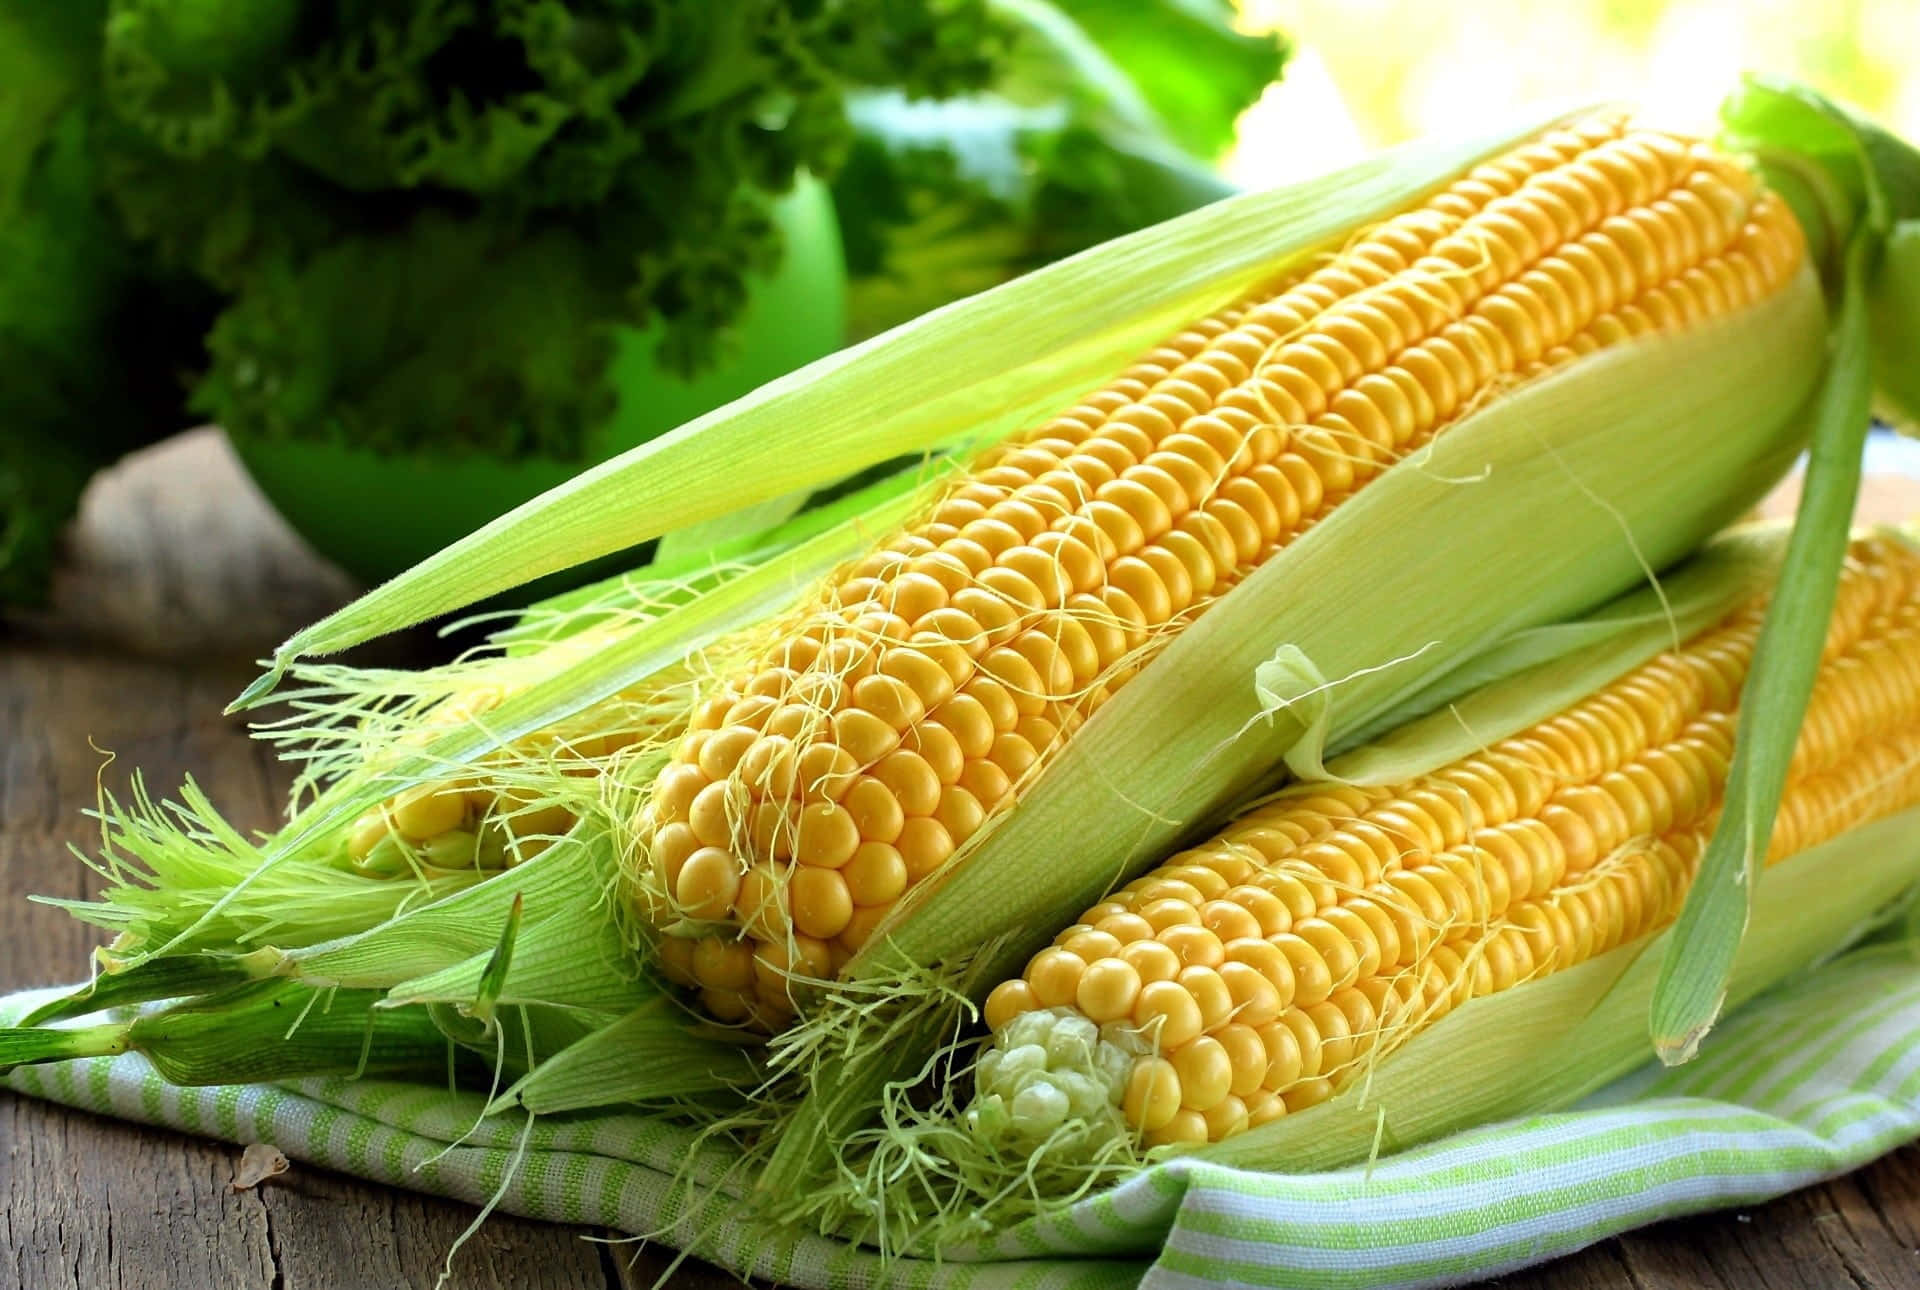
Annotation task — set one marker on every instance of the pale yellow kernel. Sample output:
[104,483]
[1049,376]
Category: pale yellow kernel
[767,761]
[429,809]
[1284,1057]
[1209,993]
[875,809]
[795,721]
[1158,886]
[550,821]
[1255,1000]
[1088,942]
[913,594]
[826,836]
[711,816]
[671,847]
[1108,989]
[1334,949]
[1166,1014]
[1055,976]
[1308,1092]
[1126,928]
[675,958]
[986,781]
[1195,946]
[771,829]
[761,903]
[722,964]
[1012,754]
[1152,1095]
[861,927]
[1008,1000]
[1246,1054]
[751,711]
[915,787]
[1205,1071]
[1184,1127]
[724,749]
[925,845]
[1264,1107]
[728,1006]
[1269,960]
[1226,1117]
[1152,960]
[923,674]
[937,746]
[864,736]
[876,875]
[960,813]
[708,883]
[1229,920]
[827,771]
[368,832]
[821,904]
[1171,912]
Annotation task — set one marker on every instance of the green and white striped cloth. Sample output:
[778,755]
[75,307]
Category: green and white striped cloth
[1803,1084]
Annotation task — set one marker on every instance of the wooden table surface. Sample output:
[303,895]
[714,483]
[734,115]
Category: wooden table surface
[176,578]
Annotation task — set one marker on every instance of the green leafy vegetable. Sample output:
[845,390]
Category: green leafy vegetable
[1103,118]
[429,217]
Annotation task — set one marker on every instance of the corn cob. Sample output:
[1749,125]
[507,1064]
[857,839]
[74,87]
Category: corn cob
[903,711]
[1255,974]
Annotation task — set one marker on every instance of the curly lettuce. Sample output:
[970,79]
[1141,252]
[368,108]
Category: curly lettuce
[418,227]
[447,177]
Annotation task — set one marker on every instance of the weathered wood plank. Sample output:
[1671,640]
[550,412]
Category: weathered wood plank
[332,1232]
[92,1204]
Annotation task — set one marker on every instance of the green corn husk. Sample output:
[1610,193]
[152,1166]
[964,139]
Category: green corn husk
[262,1030]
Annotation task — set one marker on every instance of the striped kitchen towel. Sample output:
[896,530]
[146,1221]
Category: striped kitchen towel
[1810,1081]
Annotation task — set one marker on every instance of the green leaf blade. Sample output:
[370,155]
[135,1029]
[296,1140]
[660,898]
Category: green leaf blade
[1786,663]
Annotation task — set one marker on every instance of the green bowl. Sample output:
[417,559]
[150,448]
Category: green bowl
[376,515]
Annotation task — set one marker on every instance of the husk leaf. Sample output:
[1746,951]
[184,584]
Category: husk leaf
[1541,671]
[647,1056]
[1786,662]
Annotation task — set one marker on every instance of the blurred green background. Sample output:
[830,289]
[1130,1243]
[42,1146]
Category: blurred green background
[1366,73]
